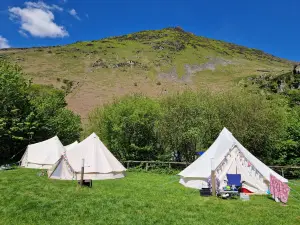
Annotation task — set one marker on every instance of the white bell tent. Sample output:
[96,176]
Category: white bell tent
[42,155]
[227,156]
[99,162]
[70,146]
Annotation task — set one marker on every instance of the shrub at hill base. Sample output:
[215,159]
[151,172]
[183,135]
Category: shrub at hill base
[17,121]
[189,123]
[257,121]
[49,104]
[127,127]
[175,127]
[23,119]
[192,121]
[289,147]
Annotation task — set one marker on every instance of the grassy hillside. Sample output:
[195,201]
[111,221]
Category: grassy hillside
[151,62]
[140,198]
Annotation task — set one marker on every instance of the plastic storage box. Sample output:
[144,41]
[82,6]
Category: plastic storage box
[244,197]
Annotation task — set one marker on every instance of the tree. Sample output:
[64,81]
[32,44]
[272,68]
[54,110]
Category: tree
[66,125]
[187,124]
[192,121]
[177,126]
[49,104]
[30,113]
[289,146]
[257,121]
[127,127]
[17,121]
[46,99]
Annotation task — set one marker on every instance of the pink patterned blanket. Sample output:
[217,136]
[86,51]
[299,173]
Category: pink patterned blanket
[279,189]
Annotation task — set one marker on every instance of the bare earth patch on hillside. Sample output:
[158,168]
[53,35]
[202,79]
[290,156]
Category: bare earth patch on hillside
[92,94]
[190,70]
[95,88]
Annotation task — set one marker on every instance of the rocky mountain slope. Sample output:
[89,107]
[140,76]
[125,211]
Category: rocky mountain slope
[286,84]
[150,62]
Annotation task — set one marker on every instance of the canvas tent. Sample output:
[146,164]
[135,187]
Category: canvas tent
[70,146]
[99,162]
[227,156]
[42,155]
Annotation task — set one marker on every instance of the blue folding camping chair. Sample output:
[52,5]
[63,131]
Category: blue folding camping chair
[234,180]
[233,185]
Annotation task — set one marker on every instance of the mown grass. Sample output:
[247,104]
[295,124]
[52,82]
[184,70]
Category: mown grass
[140,198]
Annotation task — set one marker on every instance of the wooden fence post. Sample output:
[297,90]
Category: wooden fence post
[82,172]
[213,178]
[146,166]
[282,173]
[127,164]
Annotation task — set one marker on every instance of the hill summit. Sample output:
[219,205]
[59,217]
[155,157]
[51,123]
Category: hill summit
[152,62]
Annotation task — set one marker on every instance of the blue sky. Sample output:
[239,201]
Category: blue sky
[272,26]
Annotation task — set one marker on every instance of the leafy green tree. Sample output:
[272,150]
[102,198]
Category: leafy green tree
[192,121]
[49,104]
[289,146]
[17,121]
[177,126]
[188,124]
[46,99]
[257,121]
[30,113]
[127,127]
[66,125]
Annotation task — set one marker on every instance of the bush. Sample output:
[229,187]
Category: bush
[187,124]
[127,127]
[289,147]
[17,120]
[30,113]
[257,122]
[294,97]
[66,125]
[179,125]
[55,119]
[192,121]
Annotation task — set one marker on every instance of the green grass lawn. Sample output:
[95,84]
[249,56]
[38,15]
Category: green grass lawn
[140,198]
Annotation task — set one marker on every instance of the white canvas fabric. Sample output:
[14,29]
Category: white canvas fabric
[99,162]
[227,155]
[70,146]
[43,155]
